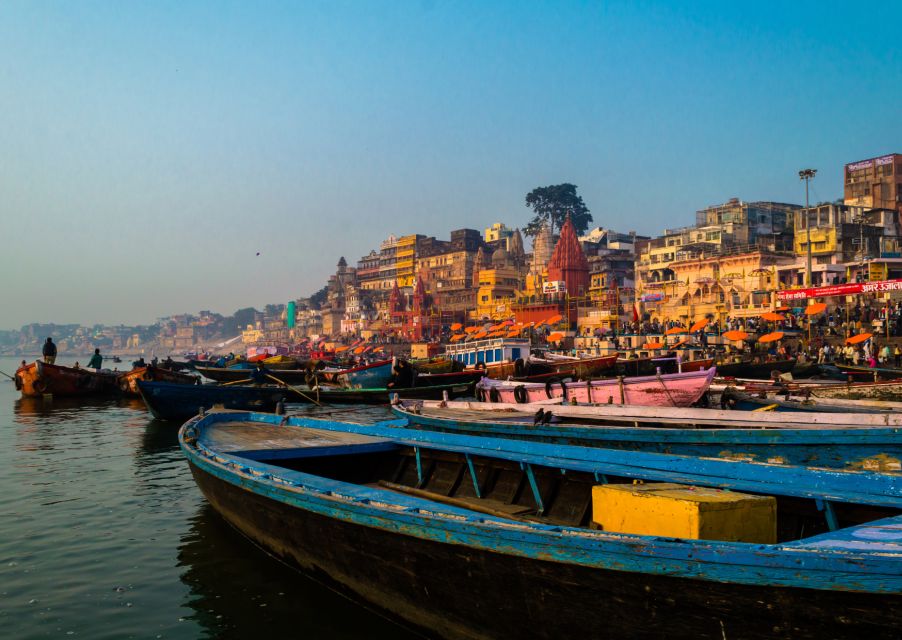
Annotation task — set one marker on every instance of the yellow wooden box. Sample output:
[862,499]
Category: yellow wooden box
[682,511]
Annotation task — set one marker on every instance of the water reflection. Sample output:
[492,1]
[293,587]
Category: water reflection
[236,590]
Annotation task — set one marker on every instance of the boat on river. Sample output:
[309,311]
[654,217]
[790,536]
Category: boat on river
[128,381]
[663,390]
[40,378]
[172,401]
[754,369]
[475,537]
[870,373]
[829,440]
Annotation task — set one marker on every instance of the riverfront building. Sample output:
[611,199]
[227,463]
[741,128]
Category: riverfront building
[874,183]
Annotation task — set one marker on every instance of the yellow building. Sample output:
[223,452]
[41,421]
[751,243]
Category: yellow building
[405,258]
[497,290]
[251,335]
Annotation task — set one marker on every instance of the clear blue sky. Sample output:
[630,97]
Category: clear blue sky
[149,150]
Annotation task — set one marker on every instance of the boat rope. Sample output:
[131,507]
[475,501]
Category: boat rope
[666,390]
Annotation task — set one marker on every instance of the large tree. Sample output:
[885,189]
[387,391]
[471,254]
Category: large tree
[553,204]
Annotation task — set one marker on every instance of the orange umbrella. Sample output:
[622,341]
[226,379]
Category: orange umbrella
[507,323]
[378,349]
[770,316]
[679,344]
[861,337]
[480,335]
[554,319]
[471,329]
[342,349]
[674,331]
[782,309]
[456,338]
[771,337]
[359,350]
[555,337]
[735,335]
[698,326]
[456,326]
[814,309]
[652,345]
[513,334]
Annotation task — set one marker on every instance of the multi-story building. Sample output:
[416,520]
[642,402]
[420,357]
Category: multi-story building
[847,243]
[447,269]
[498,235]
[368,274]
[498,285]
[874,183]
[405,259]
[734,281]
[735,227]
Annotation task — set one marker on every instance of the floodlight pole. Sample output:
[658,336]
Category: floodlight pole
[807,175]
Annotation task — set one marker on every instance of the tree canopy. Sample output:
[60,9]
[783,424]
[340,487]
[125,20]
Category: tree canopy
[552,205]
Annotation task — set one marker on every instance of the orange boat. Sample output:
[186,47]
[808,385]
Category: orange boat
[128,381]
[39,378]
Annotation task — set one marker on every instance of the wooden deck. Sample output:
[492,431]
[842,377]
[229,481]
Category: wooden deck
[266,442]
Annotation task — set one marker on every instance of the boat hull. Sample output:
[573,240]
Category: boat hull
[754,370]
[171,401]
[876,449]
[39,378]
[288,376]
[128,382]
[382,395]
[668,390]
[456,589]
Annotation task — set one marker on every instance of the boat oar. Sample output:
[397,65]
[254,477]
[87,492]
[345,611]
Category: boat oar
[228,384]
[8,376]
[297,391]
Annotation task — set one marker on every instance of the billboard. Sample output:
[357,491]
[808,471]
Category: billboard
[555,286]
[852,288]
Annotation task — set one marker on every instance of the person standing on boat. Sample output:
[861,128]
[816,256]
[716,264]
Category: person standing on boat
[49,351]
[96,361]
[260,373]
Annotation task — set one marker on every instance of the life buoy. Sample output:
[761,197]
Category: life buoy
[564,390]
[548,389]
[494,395]
[480,394]
[520,394]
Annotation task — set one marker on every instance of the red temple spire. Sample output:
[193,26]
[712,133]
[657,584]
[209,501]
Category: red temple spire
[568,262]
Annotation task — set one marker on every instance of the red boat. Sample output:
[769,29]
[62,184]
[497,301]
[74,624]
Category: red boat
[128,381]
[39,378]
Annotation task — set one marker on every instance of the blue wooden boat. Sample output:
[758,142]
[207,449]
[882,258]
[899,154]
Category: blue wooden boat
[732,398]
[871,443]
[463,536]
[368,376]
[171,401]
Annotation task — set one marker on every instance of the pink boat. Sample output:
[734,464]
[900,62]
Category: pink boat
[664,390]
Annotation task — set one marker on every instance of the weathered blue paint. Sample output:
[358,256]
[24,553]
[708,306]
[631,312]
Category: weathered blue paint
[372,377]
[865,558]
[835,448]
[476,488]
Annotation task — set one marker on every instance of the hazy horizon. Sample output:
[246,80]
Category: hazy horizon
[151,150]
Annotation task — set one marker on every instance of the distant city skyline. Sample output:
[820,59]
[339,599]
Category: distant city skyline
[151,151]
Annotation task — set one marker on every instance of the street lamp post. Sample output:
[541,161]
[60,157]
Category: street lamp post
[807,175]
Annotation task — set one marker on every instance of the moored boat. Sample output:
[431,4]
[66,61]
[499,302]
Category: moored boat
[484,537]
[128,381]
[752,369]
[870,373]
[664,390]
[831,440]
[172,401]
[40,378]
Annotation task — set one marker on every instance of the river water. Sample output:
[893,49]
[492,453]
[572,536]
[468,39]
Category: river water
[103,534]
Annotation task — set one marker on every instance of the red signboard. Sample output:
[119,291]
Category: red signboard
[850,289]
